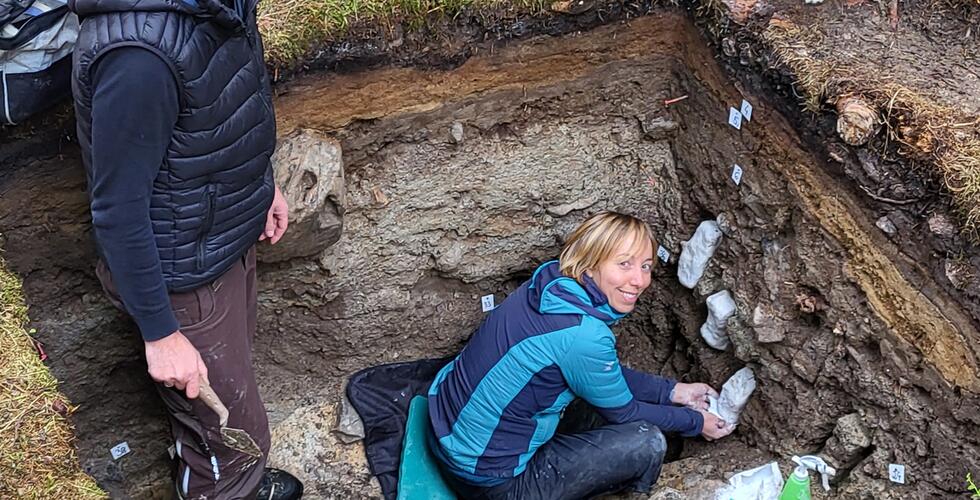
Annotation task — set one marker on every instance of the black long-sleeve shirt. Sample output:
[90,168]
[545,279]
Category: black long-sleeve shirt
[134,109]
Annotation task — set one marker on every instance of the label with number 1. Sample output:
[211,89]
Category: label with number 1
[487,302]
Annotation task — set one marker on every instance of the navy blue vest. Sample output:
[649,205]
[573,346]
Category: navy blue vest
[215,186]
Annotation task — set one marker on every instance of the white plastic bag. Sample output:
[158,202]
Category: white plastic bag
[696,252]
[721,306]
[761,483]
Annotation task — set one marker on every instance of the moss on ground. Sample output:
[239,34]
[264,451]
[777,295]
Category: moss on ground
[293,28]
[37,455]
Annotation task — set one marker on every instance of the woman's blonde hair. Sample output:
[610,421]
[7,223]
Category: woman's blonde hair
[597,238]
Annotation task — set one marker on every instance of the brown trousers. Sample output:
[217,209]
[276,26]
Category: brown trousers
[219,320]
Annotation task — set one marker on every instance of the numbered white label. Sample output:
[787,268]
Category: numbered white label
[487,302]
[896,473]
[663,254]
[737,174]
[746,110]
[120,450]
[735,118]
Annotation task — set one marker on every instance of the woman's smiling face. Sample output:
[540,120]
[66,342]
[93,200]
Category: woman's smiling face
[625,274]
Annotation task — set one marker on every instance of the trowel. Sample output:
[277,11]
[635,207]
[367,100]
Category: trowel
[236,439]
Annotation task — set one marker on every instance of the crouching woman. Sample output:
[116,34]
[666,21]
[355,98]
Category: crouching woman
[495,408]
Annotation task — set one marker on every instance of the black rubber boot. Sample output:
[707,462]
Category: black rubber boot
[279,485]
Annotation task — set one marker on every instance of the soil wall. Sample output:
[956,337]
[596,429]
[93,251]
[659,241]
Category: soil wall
[457,183]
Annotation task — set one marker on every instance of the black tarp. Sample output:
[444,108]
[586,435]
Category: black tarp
[381,396]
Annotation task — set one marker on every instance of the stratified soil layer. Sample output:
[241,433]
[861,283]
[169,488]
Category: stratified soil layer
[459,181]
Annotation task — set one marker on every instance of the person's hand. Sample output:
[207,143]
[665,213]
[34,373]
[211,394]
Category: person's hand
[277,219]
[694,396]
[714,427]
[174,362]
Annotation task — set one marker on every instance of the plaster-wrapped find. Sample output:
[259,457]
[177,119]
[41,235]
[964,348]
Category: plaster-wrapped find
[696,252]
[734,396]
[721,306]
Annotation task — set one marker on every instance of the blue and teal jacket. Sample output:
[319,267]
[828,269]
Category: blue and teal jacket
[546,344]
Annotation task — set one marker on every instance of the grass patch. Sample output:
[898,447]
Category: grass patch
[923,129]
[37,455]
[292,29]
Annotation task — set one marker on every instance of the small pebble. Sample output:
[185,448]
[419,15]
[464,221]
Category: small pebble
[886,225]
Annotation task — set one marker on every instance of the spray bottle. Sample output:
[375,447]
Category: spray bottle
[798,483]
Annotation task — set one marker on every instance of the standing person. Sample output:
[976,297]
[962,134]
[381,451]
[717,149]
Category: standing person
[176,129]
[495,409]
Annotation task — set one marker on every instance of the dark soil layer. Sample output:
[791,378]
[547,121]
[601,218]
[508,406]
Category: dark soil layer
[850,332]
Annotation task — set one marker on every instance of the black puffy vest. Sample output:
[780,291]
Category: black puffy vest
[215,187]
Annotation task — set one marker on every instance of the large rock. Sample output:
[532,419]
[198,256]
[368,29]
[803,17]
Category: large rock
[846,447]
[310,173]
[305,445]
[768,327]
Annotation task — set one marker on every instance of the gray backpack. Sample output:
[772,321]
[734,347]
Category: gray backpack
[36,42]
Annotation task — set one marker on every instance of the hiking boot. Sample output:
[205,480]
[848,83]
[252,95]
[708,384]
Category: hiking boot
[279,485]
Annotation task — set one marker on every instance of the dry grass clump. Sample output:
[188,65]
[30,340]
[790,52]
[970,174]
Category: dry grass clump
[923,128]
[293,28]
[37,457]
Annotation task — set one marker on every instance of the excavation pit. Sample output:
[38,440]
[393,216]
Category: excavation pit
[454,184]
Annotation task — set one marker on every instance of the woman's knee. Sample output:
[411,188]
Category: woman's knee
[643,440]
[653,439]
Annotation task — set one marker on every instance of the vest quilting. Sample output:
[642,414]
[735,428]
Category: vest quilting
[215,186]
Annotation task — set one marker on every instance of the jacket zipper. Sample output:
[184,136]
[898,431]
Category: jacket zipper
[251,49]
[205,227]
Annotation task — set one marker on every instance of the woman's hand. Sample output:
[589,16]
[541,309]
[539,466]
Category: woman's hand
[694,396]
[714,427]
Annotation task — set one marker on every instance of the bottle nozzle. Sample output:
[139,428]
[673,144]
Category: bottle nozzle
[817,464]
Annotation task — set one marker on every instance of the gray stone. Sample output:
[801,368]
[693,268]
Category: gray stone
[852,432]
[727,224]
[940,225]
[310,174]
[805,366]
[667,493]
[456,132]
[960,274]
[847,445]
[886,225]
[659,128]
[768,328]
[349,425]
[728,47]
[869,162]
